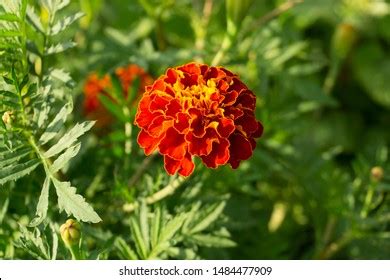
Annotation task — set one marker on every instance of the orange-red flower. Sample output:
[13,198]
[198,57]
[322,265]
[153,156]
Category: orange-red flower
[96,86]
[198,110]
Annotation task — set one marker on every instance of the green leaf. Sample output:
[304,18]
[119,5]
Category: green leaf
[144,224]
[14,157]
[125,250]
[167,233]
[63,159]
[209,240]
[211,214]
[113,107]
[56,124]
[33,18]
[69,138]
[62,76]
[372,68]
[61,47]
[10,33]
[64,23]
[9,17]
[17,171]
[73,203]
[138,238]
[43,204]
[155,226]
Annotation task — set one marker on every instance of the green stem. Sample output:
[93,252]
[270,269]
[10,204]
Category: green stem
[331,77]
[368,200]
[75,252]
[334,247]
[161,194]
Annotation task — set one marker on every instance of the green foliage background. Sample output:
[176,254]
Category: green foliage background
[319,70]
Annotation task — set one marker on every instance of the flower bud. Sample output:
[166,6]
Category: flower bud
[377,173]
[7,117]
[70,232]
[344,37]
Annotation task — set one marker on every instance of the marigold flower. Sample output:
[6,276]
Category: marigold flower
[198,110]
[96,86]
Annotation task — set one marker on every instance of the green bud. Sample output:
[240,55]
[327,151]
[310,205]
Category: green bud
[236,10]
[344,38]
[70,232]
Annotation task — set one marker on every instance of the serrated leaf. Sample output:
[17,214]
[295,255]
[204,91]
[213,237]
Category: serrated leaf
[8,81]
[69,138]
[125,250]
[34,20]
[43,204]
[62,76]
[61,47]
[113,107]
[167,233]
[9,17]
[10,33]
[61,4]
[63,159]
[156,225]
[56,124]
[209,240]
[144,224]
[73,203]
[138,238]
[14,157]
[64,23]
[209,217]
[17,171]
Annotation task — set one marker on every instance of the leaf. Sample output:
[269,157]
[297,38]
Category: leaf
[63,159]
[138,238]
[17,171]
[372,68]
[62,76]
[13,157]
[167,233]
[113,107]
[144,224]
[64,23]
[9,17]
[43,204]
[155,226]
[124,250]
[56,124]
[73,203]
[34,20]
[69,138]
[10,33]
[212,213]
[209,240]
[61,47]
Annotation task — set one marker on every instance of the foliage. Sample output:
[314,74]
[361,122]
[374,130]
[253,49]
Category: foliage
[316,186]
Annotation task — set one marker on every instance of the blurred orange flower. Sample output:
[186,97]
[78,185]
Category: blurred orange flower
[198,110]
[95,86]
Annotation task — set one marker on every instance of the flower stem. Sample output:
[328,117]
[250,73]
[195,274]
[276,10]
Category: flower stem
[157,196]
[331,77]
[75,252]
[368,200]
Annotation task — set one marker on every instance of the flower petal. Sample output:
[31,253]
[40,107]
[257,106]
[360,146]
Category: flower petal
[173,144]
